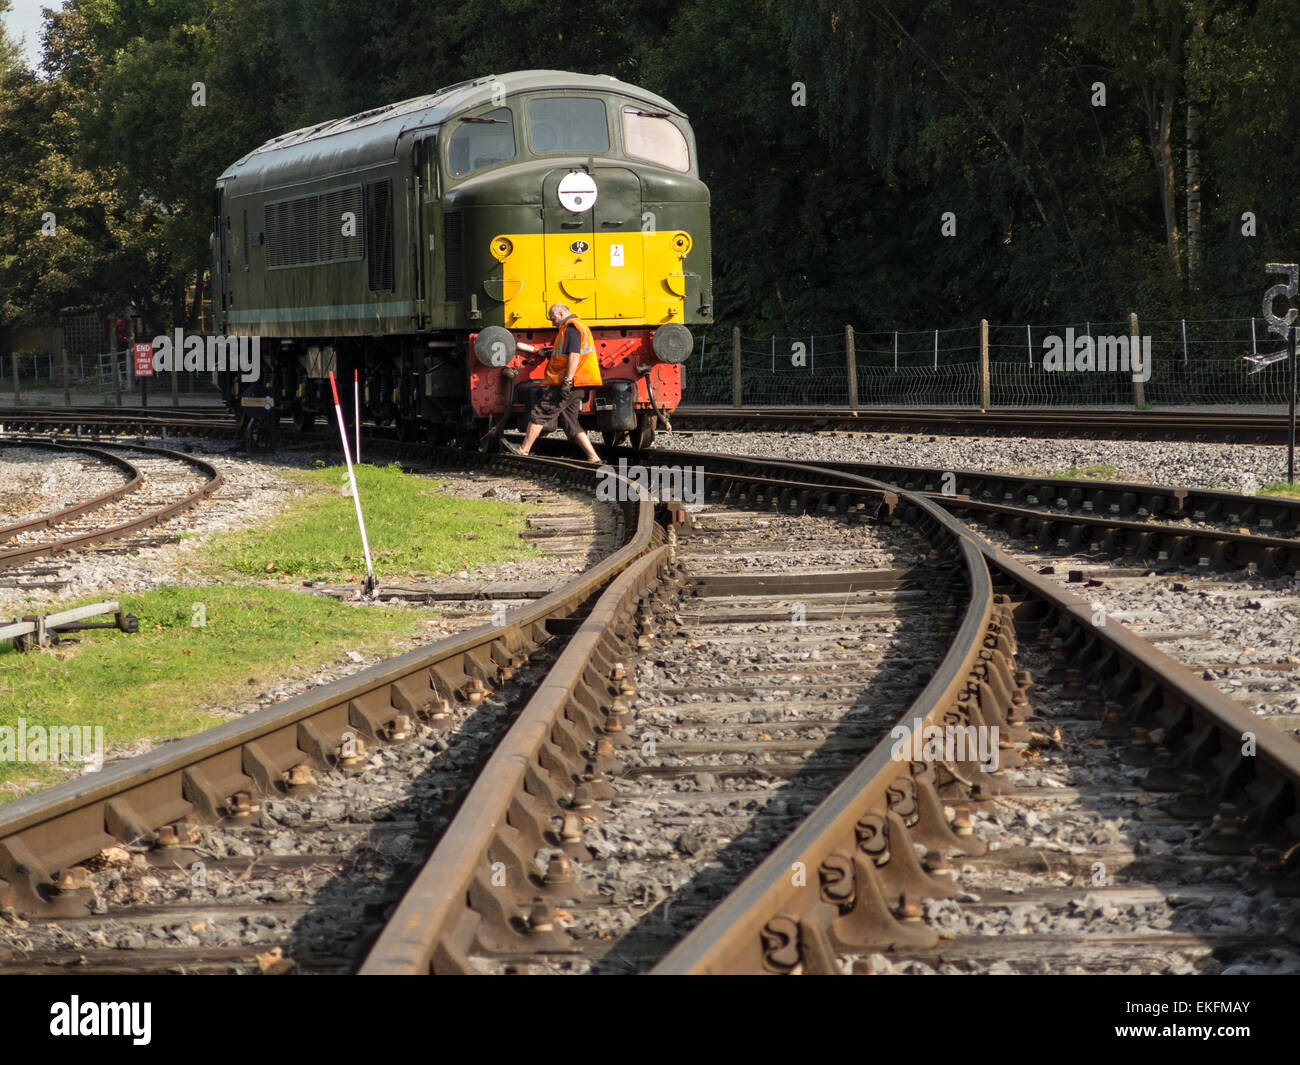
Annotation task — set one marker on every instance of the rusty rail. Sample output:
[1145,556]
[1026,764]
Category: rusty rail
[218,772]
[778,922]
[453,905]
[44,521]
[1091,425]
[1105,507]
[215,480]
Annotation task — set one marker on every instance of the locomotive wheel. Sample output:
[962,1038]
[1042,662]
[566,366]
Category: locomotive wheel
[440,434]
[262,435]
[643,438]
[303,420]
[408,429]
[614,438]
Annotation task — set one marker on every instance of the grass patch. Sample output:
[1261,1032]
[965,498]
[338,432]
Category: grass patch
[413,528]
[1286,489]
[1089,473]
[151,685]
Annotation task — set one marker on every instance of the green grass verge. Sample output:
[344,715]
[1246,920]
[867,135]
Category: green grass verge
[156,683]
[1287,489]
[152,684]
[412,526]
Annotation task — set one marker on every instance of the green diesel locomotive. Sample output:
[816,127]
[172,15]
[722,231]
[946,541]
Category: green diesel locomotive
[416,243]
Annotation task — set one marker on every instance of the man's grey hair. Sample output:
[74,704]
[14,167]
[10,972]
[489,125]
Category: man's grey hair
[557,310]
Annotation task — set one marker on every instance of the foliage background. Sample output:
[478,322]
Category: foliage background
[824,213]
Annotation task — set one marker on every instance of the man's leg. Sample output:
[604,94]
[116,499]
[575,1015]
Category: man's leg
[572,428]
[582,440]
[530,438]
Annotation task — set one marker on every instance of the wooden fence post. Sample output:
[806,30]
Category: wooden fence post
[985,390]
[1134,345]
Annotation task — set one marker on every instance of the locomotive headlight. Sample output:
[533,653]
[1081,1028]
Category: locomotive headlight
[672,342]
[682,243]
[501,247]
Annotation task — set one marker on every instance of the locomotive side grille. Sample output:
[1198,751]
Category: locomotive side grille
[453,250]
[309,230]
[341,211]
[379,235]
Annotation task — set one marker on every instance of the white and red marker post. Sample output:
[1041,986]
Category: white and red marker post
[370,583]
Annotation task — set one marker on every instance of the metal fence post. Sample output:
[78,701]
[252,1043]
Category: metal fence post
[985,389]
[63,369]
[112,369]
[18,388]
[851,367]
[1135,344]
[736,400]
[936,349]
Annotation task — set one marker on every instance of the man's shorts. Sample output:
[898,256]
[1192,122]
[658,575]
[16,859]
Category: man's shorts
[549,405]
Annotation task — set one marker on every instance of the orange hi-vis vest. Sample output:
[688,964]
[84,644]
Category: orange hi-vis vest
[588,372]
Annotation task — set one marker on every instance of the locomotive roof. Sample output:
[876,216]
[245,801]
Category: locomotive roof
[371,136]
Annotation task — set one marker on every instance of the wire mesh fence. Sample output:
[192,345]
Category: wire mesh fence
[1179,361]
[92,375]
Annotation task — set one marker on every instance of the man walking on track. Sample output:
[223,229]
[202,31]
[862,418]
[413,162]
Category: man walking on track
[571,372]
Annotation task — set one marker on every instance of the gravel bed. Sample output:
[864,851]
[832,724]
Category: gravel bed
[257,487]
[741,727]
[1109,862]
[1214,466]
[35,481]
[303,874]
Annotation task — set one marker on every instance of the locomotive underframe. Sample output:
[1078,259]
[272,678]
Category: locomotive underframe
[429,386]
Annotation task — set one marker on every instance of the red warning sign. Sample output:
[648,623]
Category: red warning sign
[143,360]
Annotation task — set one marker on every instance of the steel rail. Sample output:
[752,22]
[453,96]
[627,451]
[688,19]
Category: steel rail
[1101,424]
[773,923]
[215,480]
[453,906]
[1122,498]
[1148,541]
[44,521]
[216,773]
[1277,515]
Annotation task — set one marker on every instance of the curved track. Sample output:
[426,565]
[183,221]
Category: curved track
[845,883]
[111,515]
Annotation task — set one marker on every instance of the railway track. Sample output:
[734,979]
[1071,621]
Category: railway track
[868,890]
[1075,424]
[320,793]
[1147,525]
[159,485]
[1114,759]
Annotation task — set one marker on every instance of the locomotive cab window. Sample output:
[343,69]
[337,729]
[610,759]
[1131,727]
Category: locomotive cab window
[572,124]
[481,140]
[650,136]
